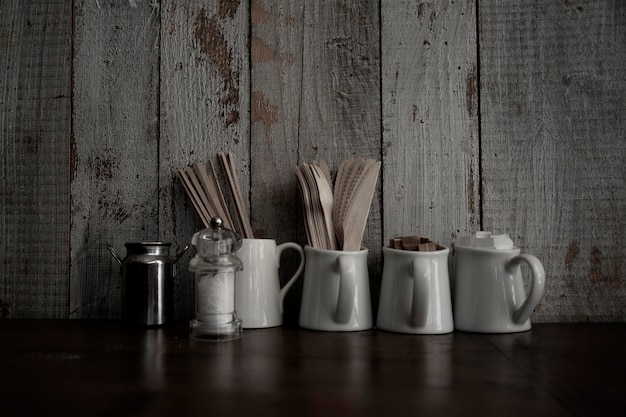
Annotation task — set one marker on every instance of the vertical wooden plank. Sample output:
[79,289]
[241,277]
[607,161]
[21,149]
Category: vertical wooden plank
[340,97]
[276,69]
[430,119]
[34,139]
[205,96]
[276,50]
[114,155]
[553,99]
[339,105]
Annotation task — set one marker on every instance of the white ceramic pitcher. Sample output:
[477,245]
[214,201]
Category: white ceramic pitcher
[258,295]
[336,292]
[415,292]
[489,294]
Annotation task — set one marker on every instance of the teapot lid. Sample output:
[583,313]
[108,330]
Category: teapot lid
[486,240]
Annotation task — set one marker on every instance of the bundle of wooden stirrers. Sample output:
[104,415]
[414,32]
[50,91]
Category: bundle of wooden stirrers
[205,193]
[335,217]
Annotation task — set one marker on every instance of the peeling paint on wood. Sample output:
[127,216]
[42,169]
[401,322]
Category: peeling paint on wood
[205,109]
[471,92]
[261,52]
[211,42]
[597,273]
[228,8]
[262,110]
[571,256]
[259,15]
[471,190]
[210,39]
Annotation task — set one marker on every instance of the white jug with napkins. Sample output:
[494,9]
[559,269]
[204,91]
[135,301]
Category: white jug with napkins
[489,293]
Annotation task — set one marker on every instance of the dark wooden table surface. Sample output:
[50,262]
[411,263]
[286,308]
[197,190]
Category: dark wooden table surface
[102,368]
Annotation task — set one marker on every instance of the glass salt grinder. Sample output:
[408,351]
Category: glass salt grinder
[215,265]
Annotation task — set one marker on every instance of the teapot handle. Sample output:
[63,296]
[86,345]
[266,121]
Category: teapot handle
[536,288]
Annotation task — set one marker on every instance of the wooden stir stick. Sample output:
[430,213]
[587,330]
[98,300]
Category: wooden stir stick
[195,199]
[228,164]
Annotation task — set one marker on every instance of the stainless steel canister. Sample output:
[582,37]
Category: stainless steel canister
[147,286]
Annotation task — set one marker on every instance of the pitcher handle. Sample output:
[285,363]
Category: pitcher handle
[536,287]
[279,250]
[421,288]
[347,288]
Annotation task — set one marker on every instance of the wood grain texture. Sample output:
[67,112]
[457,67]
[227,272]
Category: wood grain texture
[98,367]
[430,119]
[34,143]
[276,49]
[205,109]
[553,100]
[276,54]
[507,116]
[114,165]
[340,103]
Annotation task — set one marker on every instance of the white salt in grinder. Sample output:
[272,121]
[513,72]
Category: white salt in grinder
[215,265]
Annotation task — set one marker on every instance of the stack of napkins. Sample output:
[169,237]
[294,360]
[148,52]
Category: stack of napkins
[487,241]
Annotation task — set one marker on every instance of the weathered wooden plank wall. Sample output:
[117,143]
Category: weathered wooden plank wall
[277,56]
[553,151]
[489,114]
[114,146]
[334,44]
[35,116]
[315,96]
[205,106]
[430,119]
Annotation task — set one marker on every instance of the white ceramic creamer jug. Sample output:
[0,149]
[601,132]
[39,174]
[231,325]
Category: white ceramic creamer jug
[336,291]
[489,294]
[415,292]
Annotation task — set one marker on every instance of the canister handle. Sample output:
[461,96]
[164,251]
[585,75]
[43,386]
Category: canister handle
[115,255]
[180,254]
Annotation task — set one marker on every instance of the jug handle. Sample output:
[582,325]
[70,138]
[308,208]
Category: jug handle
[115,255]
[347,288]
[279,250]
[536,287]
[421,286]
[180,254]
